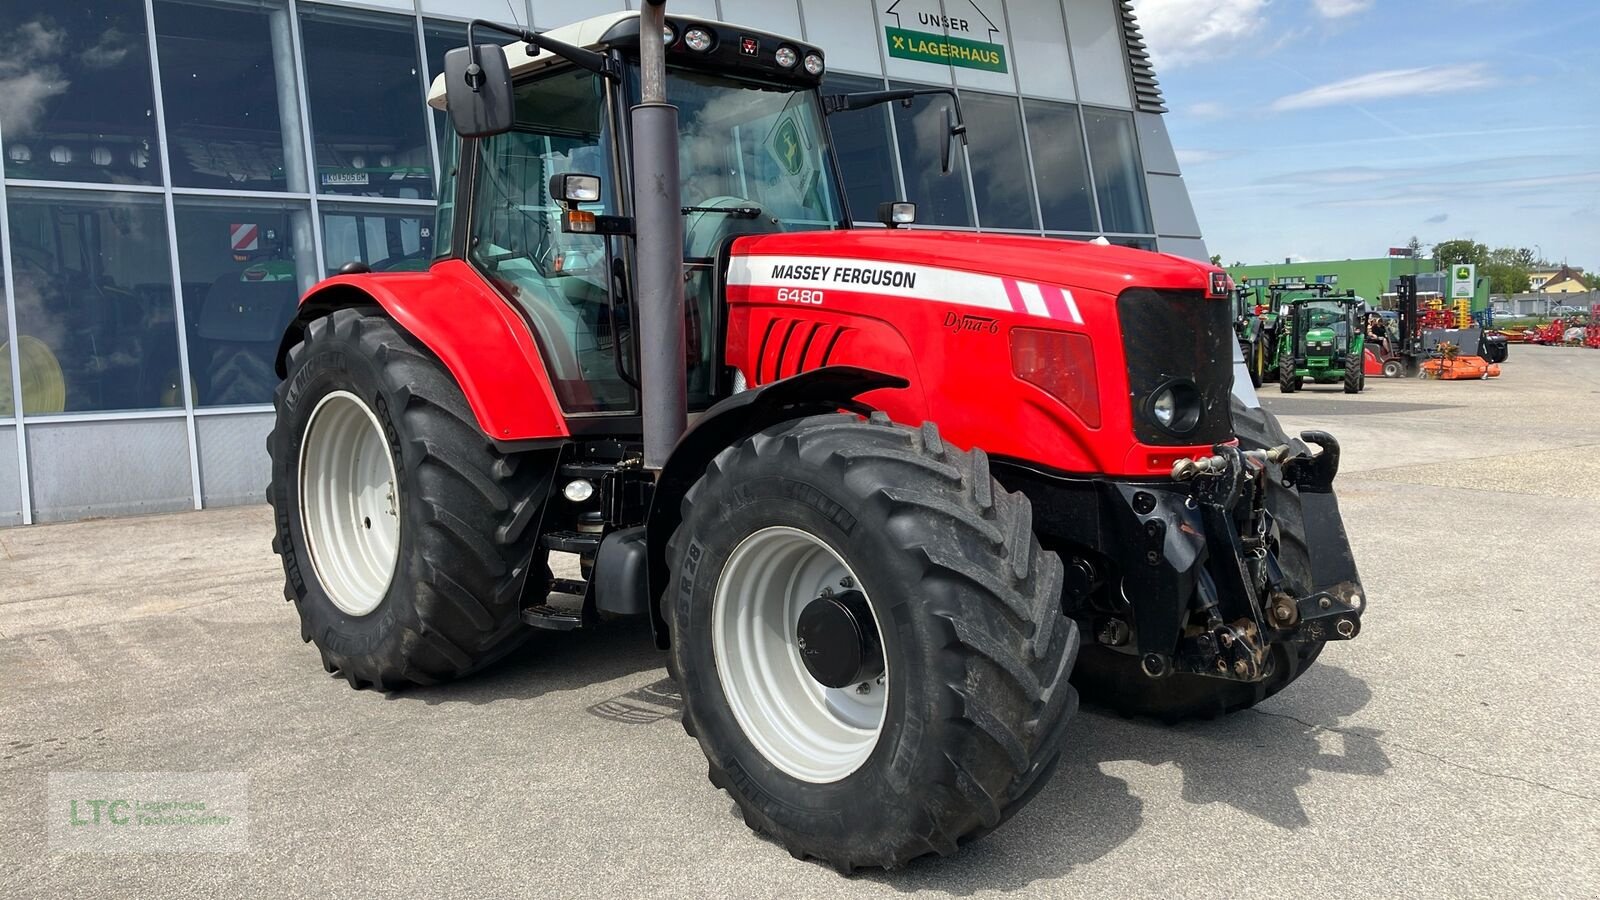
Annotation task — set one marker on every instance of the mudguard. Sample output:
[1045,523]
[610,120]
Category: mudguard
[816,392]
[484,343]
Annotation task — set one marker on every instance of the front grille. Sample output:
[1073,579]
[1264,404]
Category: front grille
[1178,335]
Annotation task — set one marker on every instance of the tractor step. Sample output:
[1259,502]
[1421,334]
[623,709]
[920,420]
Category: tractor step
[577,587]
[553,618]
[572,542]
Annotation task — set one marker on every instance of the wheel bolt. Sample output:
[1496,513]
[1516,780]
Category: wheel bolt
[847,582]
[863,688]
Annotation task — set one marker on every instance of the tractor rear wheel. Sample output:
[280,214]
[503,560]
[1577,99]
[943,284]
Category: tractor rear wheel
[1115,681]
[405,535]
[1352,375]
[869,639]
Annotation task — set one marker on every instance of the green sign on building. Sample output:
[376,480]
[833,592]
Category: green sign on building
[924,46]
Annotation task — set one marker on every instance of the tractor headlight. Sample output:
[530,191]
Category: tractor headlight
[697,39]
[578,490]
[1176,407]
[786,57]
[813,64]
[668,36]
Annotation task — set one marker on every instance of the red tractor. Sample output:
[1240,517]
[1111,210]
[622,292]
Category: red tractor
[930,476]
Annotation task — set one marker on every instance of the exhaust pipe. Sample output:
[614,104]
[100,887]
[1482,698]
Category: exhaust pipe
[658,247]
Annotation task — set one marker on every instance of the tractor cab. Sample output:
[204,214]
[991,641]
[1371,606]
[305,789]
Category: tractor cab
[1322,338]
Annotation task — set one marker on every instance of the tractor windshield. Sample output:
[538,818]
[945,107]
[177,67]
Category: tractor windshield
[745,145]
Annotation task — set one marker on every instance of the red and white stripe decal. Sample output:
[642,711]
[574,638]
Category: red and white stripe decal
[244,237]
[909,282]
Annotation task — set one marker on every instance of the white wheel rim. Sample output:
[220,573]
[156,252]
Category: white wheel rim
[811,732]
[349,503]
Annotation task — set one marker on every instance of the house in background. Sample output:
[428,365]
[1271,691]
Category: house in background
[1565,280]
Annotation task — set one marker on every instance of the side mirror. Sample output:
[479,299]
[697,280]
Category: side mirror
[955,129]
[478,92]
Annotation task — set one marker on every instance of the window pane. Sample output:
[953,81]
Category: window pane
[366,104]
[244,266]
[1118,174]
[75,97]
[94,287]
[444,215]
[1059,165]
[437,39]
[385,238]
[862,143]
[999,161]
[941,197]
[233,117]
[7,401]
[743,146]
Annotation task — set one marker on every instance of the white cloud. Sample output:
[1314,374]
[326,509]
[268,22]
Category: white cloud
[1181,32]
[1195,157]
[1207,109]
[1338,9]
[1390,83]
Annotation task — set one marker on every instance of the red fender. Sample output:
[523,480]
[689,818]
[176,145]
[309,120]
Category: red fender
[482,341]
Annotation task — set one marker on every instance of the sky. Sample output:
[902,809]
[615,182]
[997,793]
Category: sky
[1336,129]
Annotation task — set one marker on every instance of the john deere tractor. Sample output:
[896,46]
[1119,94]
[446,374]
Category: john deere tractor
[1320,338]
[931,476]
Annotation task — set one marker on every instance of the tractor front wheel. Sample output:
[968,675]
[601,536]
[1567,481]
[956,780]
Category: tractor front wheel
[869,640]
[404,533]
[1287,382]
[1353,376]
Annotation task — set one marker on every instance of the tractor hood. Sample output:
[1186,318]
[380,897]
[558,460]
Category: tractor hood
[1065,263]
[1319,334]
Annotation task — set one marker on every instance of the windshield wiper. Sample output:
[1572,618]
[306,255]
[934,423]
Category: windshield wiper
[738,212]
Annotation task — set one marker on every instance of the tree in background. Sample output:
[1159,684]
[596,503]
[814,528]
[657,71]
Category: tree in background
[1415,246]
[1460,253]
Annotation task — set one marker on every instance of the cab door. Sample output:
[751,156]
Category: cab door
[568,286]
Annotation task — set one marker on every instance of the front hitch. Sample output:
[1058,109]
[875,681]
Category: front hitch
[1229,491]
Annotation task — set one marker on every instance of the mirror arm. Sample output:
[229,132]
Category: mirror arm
[598,63]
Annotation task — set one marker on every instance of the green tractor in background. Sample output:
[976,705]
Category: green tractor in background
[1321,339]
[1255,323]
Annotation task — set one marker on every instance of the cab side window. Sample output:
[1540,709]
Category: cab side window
[559,280]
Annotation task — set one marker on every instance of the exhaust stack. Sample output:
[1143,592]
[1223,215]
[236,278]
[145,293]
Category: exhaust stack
[658,247]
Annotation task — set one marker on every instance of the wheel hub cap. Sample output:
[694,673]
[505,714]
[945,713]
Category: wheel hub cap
[838,641]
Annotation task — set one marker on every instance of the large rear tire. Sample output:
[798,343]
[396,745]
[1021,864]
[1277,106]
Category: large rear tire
[1352,375]
[1115,681]
[969,718]
[407,538]
[1287,382]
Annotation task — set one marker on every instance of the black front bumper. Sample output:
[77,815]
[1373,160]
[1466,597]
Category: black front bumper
[1192,575]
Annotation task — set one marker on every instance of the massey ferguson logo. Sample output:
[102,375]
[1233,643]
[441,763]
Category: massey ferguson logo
[966,323]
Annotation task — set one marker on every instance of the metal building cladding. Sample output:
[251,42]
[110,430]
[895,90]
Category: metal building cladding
[177,172]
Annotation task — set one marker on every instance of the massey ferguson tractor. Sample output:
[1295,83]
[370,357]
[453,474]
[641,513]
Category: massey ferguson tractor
[890,498]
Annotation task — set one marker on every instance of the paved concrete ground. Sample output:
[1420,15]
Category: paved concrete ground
[1451,751]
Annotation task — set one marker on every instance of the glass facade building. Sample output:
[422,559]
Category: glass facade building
[174,173]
